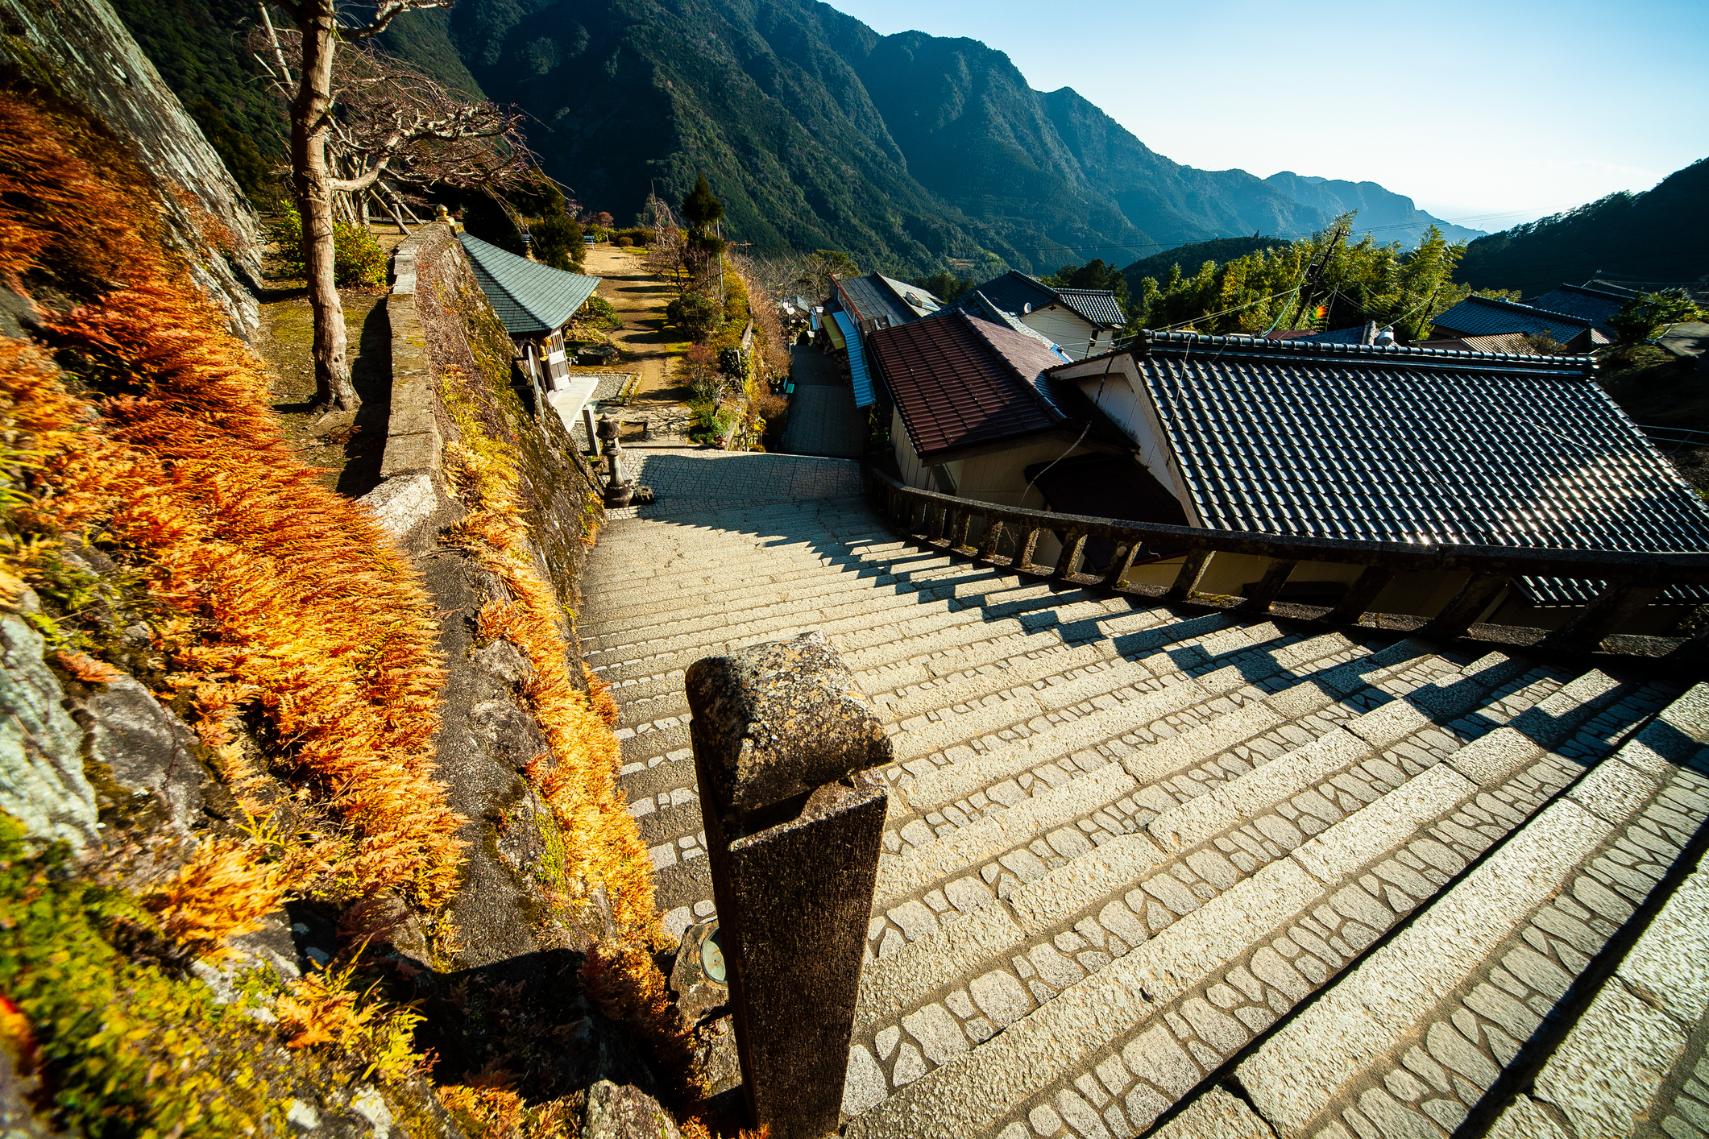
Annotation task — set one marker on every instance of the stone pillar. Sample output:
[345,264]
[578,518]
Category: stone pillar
[592,430]
[618,490]
[793,828]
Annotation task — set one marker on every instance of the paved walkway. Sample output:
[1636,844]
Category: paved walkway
[823,419]
[1148,871]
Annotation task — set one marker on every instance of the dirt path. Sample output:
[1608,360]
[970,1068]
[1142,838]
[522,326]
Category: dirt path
[649,346]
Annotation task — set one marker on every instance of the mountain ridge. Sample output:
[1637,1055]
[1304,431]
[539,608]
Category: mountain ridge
[908,150]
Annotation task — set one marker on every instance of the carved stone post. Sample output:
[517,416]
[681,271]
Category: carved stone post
[792,832]
[618,490]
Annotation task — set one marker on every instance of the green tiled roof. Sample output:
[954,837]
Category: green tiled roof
[530,298]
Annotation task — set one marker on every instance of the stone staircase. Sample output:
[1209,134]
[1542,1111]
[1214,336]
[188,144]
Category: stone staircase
[1147,869]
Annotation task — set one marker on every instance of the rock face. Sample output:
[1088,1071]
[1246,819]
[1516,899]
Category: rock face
[80,52]
[41,747]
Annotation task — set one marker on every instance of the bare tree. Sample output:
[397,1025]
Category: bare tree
[364,129]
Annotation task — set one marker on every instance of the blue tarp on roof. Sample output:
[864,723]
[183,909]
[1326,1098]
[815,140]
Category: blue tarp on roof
[864,396]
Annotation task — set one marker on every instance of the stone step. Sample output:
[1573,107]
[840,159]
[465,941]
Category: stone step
[1058,896]
[665,590]
[856,595]
[643,618]
[1116,1036]
[873,615]
[643,744]
[1152,779]
[645,699]
[1416,1037]
[929,629]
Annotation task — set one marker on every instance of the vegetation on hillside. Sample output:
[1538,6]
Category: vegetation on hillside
[280,624]
[197,46]
[1192,255]
[905,150]
[1651,239]
[1323,282]
[736,342]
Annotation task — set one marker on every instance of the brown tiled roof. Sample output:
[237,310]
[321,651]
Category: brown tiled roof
[960,382]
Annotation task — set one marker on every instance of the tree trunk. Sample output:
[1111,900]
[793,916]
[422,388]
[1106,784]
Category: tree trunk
[309,129]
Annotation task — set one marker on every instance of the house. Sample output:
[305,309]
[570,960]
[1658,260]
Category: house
[535,302]
[860,305]
[1596,303]
[1080,321]
[877,301]
[971,412]
[1396,445]
[1491,316]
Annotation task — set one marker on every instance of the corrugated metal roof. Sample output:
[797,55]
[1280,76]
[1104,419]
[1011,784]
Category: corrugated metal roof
[1487,316]
[530,298]
[864,395]
[960,382]
[1414,445]
[877,300]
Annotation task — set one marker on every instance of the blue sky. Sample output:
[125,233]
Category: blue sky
[1486,113]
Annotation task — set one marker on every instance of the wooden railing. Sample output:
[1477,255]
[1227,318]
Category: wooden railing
[1103,553]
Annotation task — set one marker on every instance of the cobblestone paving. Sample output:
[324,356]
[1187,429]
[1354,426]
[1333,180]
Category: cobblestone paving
[1208,875]
[823,419]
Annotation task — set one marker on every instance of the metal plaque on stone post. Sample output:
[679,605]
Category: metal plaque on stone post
[793,829]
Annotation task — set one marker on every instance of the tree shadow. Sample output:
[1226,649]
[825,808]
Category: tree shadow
[371,372]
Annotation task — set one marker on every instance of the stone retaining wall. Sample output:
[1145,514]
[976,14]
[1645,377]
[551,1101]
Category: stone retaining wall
[411,489]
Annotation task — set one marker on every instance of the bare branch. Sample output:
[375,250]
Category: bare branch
[388,11]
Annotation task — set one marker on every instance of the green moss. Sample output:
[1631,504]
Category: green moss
[126,1047]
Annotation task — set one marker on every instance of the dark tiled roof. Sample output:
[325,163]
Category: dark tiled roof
[1594,305]
[1409,444]
[877,300]
[1485,316]
[1097,305]
[1015,292]
[530,298]
[960,382]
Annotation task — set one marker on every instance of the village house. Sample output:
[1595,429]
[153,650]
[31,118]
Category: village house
[536,303]
[972,413]
[1393,444]
[859,306]
[1082,322]
[1491,316]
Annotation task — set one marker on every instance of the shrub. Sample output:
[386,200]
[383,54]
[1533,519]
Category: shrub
[1646,315]
[699,369]
[357,259]
[695,313]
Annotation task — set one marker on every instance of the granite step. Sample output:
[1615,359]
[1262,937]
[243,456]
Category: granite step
[1119,1044]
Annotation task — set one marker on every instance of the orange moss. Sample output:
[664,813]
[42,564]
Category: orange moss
[626,986]
[599,696]
[286,599]
[222,891]
[603,852]
[322,1010]
[499,1113]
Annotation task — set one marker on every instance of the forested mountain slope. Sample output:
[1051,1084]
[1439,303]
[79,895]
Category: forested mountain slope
[816,131]
[1655,238]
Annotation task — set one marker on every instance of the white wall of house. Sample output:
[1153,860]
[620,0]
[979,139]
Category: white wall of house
[1114,386]
[1068,329]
